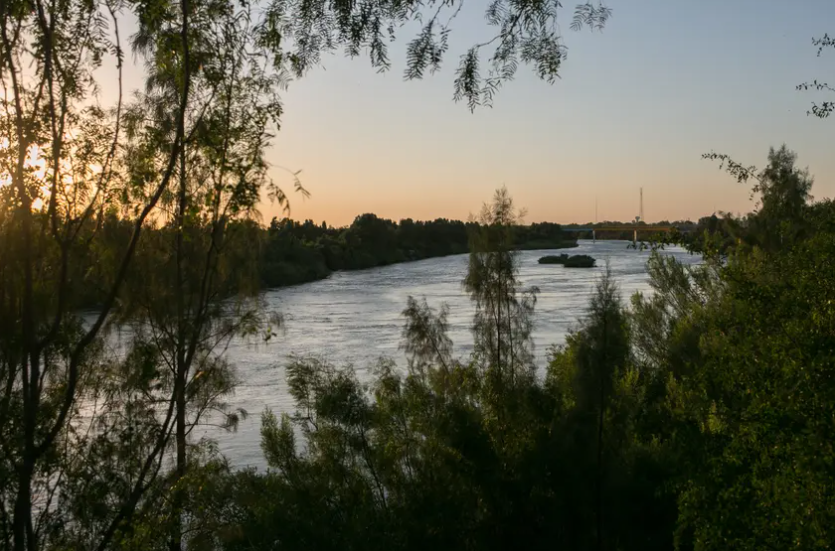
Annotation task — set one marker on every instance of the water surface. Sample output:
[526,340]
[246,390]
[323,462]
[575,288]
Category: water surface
[356,317]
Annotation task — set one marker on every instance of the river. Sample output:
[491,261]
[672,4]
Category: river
[356,317]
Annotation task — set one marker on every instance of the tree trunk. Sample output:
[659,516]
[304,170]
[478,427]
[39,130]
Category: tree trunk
[182,361]
[22,523]
[599,497]
[180,435]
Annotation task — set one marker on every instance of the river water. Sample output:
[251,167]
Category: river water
[356,317]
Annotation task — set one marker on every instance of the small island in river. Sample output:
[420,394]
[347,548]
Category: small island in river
[573,261]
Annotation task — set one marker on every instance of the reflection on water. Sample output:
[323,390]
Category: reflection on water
[355,317]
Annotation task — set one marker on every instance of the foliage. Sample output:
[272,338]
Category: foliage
[552,259]
[474,453]
[779,218]
[170,176]
[501,326]
[289,252]
[526,32]
[573,261]
[579,261]
[700,418]
[823,109]
[696,419]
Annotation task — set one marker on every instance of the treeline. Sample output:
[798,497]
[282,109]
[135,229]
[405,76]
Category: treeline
[297,252]
[288,252]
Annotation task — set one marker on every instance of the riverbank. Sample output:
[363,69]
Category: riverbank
[320,262]
[289,252]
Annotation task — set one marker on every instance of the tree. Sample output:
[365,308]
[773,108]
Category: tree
[59,166]
[738,400]
[501,326]
[740,375]
[527,31]
[784,192]
[589,368]
[823,109]
[220,174]
[187,154]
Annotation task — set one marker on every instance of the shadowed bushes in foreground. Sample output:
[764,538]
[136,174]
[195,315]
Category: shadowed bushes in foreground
[663,426]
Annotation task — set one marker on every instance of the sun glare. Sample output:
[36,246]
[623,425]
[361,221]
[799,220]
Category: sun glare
[5,177]
[34,161]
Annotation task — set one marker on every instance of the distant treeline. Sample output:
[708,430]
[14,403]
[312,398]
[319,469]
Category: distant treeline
[297,252]
[289,252]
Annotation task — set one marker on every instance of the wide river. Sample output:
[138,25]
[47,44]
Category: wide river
[356,317]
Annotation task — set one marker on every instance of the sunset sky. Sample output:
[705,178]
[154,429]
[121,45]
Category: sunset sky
[637,105]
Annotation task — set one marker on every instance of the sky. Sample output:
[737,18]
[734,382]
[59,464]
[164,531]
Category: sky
[636,107]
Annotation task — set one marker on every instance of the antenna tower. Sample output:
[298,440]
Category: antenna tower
[641,207]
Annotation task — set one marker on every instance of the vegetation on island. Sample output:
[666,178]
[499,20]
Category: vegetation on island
[696,417]
[553,259]
[579,261]
[573,261]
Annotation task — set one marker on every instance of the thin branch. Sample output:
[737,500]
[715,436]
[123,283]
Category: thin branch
[92,333]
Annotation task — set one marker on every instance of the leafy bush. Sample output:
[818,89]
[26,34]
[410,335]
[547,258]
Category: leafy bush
[573,261]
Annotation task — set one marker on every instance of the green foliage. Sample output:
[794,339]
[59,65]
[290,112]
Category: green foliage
[295,252]
[603,393]
[780,217]
[552,259]
[752,471]
[528,32]
[288,252]
[579,261]
[823,109]
[699,418]
[736,344]
[474,453]
[573,261]
[501,326]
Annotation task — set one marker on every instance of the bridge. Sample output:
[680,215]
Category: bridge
[639,225]
[634,228]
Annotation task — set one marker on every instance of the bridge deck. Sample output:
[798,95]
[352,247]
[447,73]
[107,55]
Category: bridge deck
[624,228]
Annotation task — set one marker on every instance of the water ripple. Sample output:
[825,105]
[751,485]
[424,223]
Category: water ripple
[355,318]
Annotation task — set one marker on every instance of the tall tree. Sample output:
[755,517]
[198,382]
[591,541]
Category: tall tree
[784,193]
[195,288]
[59,164]
[502,324]
[592,363]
